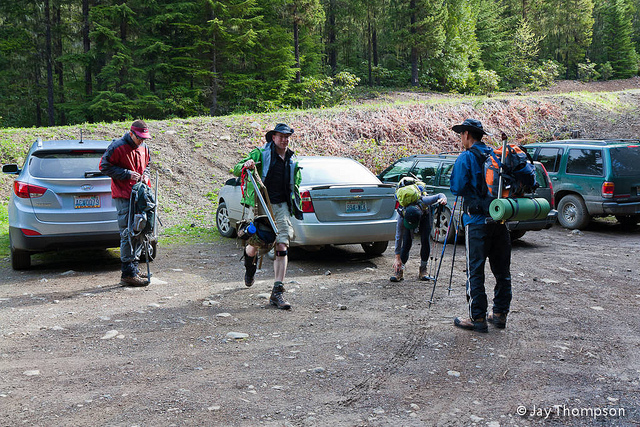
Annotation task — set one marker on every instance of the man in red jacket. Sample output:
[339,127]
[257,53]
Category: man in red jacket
[126,161]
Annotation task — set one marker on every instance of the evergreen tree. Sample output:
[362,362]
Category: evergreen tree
[567,28]
[494,32]
[613,35]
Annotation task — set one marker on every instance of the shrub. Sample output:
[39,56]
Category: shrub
[488,81]
[606,71]
[587,72]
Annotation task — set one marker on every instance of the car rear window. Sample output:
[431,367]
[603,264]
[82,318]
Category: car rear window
[68,164]
[625,161]
[583,161]
[336,172]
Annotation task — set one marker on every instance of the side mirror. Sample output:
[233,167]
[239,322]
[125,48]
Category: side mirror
[11,169]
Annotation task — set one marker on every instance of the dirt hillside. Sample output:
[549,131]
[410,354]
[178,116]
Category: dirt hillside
[193,156]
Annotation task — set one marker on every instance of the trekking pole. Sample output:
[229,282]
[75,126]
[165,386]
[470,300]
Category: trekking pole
[504,153]
[433,253]
[455,241]
[444,246]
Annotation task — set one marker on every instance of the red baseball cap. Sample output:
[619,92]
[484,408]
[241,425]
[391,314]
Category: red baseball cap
[140,129]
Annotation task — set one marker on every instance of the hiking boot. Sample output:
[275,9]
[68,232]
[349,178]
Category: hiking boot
[499,320]
[135,281]
[423,275]
[250,269]
[398,275]
[478,325]
[276,297]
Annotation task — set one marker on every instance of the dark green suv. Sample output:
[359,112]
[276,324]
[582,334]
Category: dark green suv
[435,171]
[592,178]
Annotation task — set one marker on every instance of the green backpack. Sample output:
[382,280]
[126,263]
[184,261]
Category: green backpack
[409,190]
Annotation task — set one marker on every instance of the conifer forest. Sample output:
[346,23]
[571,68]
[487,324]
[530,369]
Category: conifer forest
[66,62]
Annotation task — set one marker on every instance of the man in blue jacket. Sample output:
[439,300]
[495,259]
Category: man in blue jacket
[484,237]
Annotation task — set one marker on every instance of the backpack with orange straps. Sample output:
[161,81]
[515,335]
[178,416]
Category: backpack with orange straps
[518,175]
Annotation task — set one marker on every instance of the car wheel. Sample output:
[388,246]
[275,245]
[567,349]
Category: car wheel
[445,218]
[572,212]
[375,248]
[223,222]
[516,234]
[628,220]
[20,260]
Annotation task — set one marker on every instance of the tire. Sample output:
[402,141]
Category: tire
[223,222]
[375,248]
[628,220]
[20,260]
[445,218]
[516,234]
[572,212]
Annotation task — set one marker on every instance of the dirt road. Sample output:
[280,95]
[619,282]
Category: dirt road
[77,349]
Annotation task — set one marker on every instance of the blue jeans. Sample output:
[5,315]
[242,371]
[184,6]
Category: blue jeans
[128,255]
[488,240]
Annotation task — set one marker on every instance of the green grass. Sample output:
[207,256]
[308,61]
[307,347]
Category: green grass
[188,234]
[4,230]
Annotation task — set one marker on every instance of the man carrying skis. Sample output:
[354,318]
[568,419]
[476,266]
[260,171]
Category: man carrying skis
[279,171]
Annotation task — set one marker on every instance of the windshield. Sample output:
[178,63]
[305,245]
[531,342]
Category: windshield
[69,164]
[625,161]
[335,171]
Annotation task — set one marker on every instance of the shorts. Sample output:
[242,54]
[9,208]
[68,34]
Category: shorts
[282,218]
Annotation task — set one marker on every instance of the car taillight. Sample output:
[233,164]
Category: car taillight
[307,204]
[26,191]
[28,232]
[607,190]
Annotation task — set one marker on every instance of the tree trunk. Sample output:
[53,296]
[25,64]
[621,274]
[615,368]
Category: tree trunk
[36,75]
[369,48]
[50,103]
[59,69]
[374,41]
[86,43]
[331,36]
[296,45]
[414,49]
[213,108]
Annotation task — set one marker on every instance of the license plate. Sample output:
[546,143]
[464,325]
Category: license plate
[359,206]
[84,202]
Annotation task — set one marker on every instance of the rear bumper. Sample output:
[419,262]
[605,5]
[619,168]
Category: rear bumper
[310,232]
[63,241]
[534,224]
[613,208]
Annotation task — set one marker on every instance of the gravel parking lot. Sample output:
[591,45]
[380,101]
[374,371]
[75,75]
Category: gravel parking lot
[78,349]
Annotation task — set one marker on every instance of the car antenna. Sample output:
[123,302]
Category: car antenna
[81,141]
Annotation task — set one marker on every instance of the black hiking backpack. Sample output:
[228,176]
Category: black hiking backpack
[142,209]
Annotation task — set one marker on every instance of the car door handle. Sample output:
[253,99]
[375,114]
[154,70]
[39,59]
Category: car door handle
[554,179]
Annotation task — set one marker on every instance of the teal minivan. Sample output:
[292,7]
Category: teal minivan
[592,178]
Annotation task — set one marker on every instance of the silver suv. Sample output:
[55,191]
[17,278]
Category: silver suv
[60,200]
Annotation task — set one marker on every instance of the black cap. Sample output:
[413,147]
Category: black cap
[472,125]
[280,128]
[412,215]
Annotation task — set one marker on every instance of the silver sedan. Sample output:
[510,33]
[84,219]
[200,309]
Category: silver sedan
[343,203]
